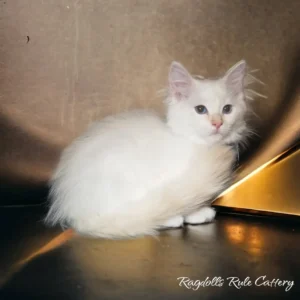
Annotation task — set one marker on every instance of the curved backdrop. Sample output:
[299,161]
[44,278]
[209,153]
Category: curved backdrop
[66,63]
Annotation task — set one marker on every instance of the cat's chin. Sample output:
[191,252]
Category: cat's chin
[213,139]
[221,138]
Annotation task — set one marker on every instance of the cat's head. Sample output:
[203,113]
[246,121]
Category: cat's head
[208,110]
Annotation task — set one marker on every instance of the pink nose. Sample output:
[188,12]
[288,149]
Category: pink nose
[217,124]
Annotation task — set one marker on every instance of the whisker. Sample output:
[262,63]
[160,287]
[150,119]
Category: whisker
[253,71]
[248,82]
[250,98]
[256,93]
[254,113]
[253,134]
[198,77]
[162,92]
[256,79]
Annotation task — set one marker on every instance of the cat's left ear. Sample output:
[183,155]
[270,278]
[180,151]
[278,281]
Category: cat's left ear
[180,81]
[234,77]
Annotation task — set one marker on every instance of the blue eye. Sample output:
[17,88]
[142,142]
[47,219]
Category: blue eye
[201,109]
[227,109]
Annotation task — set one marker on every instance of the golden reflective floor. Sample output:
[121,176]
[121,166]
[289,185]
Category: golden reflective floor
[39,263]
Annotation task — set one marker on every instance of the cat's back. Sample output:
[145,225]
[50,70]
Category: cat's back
[130,122]
[125,134]
[136,143]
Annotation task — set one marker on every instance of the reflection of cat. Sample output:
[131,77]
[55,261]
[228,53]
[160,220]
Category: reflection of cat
[133,173]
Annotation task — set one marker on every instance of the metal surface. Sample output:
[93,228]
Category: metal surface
[40,263]
[273,189]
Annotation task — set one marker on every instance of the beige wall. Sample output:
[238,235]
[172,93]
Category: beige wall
[87,59]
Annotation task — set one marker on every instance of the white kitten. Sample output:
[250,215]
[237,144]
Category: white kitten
[133,173]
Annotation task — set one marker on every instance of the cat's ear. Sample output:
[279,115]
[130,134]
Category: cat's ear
[180,81]
[234,77]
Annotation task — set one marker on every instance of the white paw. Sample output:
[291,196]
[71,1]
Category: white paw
[204,215]
[174,222]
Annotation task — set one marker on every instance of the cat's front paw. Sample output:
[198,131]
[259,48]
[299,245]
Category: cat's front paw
[174,222]
[203,215]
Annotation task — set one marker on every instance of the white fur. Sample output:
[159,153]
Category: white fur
[174,222]
[203,215]
[133,173]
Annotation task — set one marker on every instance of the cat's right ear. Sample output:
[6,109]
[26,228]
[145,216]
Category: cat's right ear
[235,76]
[180,81]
